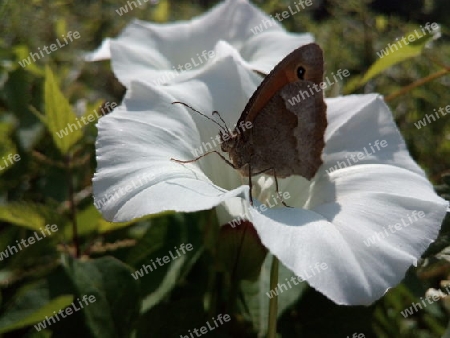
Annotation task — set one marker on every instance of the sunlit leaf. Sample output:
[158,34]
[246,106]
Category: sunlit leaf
[60,119]
[105,226]
[397,51]
[24,60]
[29,215]
[161,13]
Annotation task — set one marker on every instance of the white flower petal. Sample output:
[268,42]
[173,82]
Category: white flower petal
[355,123]
[259,49]
[152,51]
[351,206]
[135,175]
[101,53]
[140,137]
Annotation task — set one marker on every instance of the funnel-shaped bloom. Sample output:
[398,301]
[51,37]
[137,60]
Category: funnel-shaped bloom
[367,215]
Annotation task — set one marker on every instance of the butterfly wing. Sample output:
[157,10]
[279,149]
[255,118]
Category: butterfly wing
[311,124]
[308,57]
[287,134]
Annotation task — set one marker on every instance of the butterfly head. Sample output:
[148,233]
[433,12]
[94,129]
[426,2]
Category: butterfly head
[228,140]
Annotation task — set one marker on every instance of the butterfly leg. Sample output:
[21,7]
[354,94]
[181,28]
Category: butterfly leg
[209,152]
[278,191]
[276,184]
[228,162]
[250,182]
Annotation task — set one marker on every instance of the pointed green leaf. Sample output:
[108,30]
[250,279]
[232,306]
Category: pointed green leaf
[87,222]
[165,235]
[61,120]
[30,305]
[396,52]
[23,57]
[38,316]
[116,293]
[7,147]
[90,221]
[29,215]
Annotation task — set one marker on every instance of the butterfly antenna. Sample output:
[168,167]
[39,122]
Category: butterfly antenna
[188,106]
[221,119]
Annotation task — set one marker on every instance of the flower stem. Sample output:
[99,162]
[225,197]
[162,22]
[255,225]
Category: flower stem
[273,303]
[234,278]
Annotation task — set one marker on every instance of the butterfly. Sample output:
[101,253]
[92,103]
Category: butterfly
[281,129]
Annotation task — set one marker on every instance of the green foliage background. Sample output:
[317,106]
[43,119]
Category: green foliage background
[51,184]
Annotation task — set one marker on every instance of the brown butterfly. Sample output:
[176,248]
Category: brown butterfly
[286,136]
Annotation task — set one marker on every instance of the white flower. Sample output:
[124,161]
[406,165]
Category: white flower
[335,214]
[158,54]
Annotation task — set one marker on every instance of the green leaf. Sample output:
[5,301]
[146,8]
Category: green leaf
[29,215]
[38,316]
[396,52]
[23,53]
[152,241]
[176,270]
[90,221]
[30,305]
[87,222]
[7,147]
[61,26]
[116,293]
[60,119]
[106,226]
[240,250]
[164,236]
[175,319]
[162,11]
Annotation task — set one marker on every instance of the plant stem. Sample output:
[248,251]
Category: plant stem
[273,303]
[417,83]
[72,206]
